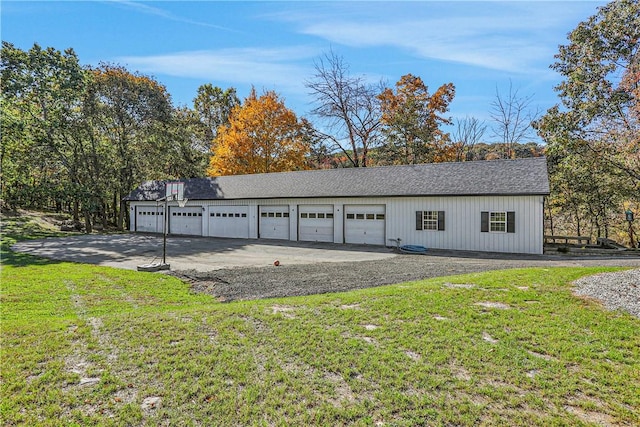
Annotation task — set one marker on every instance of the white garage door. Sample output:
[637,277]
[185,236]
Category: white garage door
[229,221]
[187,220]
[316,223]
[274,222]
[364,224]
[149,219]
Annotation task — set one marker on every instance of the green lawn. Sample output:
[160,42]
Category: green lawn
[87,345]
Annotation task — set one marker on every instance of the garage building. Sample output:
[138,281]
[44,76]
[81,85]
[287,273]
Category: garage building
[494,206]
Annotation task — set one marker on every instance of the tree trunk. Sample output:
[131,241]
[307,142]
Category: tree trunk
[115,207]
[120,224]
[105,214]
[545,202]
[87,222]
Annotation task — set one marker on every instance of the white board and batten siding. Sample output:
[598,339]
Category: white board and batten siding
[462,223]
[376,220]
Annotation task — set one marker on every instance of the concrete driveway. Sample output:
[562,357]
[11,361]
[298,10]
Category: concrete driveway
[194,253]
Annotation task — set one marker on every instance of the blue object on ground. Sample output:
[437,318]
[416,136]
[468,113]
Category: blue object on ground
[414,249]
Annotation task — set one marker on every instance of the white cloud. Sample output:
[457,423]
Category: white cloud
[150,10]
[512,37]
[264,68]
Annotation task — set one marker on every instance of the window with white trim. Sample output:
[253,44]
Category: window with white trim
[498,222]
[429,220]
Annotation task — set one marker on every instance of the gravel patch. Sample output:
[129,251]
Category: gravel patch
[248,283]
[307,279]
[617,291]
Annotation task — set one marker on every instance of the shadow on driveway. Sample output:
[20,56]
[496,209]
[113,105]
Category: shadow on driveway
[194,252]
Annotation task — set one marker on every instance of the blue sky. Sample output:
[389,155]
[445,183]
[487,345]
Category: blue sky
[479,46]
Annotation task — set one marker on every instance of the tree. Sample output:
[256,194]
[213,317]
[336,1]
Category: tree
[262,136]
[599,96]
[411,119]
[468,132]
[80,138]
[131,111]
[513,118]
[188,149]
[213,106]
[42,144]
[596,122]
[348,107]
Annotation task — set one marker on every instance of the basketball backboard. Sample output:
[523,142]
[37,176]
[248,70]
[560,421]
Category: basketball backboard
[175,190]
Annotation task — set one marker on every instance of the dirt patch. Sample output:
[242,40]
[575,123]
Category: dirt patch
[493,304]
[413,355]
[343,392]
[150,403]
[459,372]
[541,356]
[284,311]
[459,285]
[488,338]
[592,417]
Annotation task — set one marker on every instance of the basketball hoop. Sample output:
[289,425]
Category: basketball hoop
[182,202]
[174,191]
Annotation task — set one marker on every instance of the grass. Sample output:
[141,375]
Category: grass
[87,345]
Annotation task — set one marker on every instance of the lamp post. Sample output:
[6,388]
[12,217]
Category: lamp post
[629,217]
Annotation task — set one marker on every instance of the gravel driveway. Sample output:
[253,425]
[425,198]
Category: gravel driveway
[237,269]
[617,291]
[291,280]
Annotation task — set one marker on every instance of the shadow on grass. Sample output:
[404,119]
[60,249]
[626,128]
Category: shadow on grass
[17,259]
[21,228]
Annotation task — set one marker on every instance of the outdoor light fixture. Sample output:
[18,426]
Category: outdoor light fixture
[629,214]
[629,217]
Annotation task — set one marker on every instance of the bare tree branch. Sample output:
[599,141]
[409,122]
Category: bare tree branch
[348,106]
[468,132]
[513,116]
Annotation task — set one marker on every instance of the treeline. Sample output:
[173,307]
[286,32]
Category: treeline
[479,151]
[593,134]
[80,138]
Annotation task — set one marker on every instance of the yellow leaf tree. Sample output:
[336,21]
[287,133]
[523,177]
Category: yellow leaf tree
[262,136]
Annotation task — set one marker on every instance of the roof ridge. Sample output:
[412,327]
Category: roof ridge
[378,167]
[481,177]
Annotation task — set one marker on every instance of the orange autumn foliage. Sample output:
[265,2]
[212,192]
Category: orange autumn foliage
[262,136]
[411,119]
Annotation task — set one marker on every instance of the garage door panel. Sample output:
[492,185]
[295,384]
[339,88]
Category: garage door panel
[365,224]
[149,219]
[315,223]
[274,222]
[187,220]
[229,221]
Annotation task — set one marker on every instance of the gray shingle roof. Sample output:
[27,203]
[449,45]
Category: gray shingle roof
[497,177]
